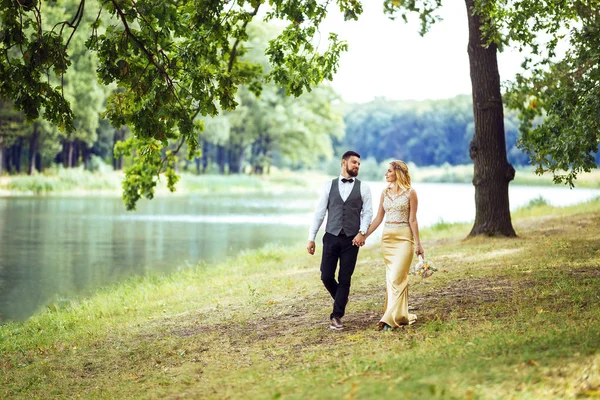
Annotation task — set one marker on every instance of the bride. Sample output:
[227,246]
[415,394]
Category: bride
[400,237]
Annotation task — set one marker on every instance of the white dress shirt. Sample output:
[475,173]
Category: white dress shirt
[366,213]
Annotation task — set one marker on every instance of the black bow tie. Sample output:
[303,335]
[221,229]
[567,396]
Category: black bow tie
[347,180]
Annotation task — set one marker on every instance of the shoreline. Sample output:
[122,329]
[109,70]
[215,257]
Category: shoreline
[77,182]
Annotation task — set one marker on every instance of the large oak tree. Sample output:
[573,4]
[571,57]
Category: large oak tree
[558,97]
[553,87]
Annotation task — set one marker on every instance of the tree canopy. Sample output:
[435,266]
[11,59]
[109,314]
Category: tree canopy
[432,132]
[172,62]
[557,94]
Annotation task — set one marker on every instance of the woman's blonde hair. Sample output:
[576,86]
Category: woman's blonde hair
[402,175]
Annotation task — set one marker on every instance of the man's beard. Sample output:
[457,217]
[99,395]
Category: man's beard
[351,172]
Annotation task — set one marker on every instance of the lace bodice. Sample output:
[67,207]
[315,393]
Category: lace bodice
[397,207]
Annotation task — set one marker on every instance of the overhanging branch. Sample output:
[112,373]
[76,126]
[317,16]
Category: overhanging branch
[233,53]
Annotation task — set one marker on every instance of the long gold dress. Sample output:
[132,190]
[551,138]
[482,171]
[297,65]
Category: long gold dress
[397,244]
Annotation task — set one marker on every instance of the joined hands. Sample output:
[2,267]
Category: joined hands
[359,240]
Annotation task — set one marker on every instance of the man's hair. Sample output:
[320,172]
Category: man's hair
[349,154]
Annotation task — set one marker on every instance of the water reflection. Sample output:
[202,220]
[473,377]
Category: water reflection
[51,247]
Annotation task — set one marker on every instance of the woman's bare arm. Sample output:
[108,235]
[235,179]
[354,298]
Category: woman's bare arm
[378,219]
[412,220]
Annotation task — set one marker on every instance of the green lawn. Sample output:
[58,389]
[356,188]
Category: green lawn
[503,318]
[77,181]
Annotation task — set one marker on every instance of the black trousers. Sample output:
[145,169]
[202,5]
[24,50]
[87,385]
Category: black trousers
[338,248]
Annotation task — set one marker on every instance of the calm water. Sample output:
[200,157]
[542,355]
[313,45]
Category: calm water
[52,248]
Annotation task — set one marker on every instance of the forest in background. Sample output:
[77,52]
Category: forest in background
[306,133]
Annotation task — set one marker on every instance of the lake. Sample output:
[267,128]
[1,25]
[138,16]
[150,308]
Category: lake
[53,248]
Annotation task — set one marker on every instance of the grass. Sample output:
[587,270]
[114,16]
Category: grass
[77,181]
[503,318]
[60,180]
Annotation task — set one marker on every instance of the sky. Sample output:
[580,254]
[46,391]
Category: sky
[389,59]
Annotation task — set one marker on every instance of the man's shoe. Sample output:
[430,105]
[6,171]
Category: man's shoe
[336,324]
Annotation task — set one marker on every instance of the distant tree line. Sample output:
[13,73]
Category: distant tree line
[275,130]
[431,132]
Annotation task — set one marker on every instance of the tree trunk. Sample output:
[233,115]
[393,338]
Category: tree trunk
[255,155]
[203,160]
[85,155]
[76,153]
[16,155]
[33,147]
[64,155]
[234,160]
[8,158]
[70,151]
[492,171]
[118,136]
[1,154]
[221,158]
[268,154]
[261,154]
[38,162]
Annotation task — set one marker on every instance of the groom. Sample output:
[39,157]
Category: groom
[347,202]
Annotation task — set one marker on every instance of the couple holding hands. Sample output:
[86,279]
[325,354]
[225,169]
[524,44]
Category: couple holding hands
[347,203]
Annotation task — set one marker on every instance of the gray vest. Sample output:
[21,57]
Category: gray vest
[343,214]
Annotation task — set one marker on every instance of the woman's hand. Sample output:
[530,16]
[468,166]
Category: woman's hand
[419,250]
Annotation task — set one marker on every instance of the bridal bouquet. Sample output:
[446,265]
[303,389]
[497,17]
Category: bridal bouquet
[422,268]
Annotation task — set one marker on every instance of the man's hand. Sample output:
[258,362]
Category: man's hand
[359,240]
[310,247]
